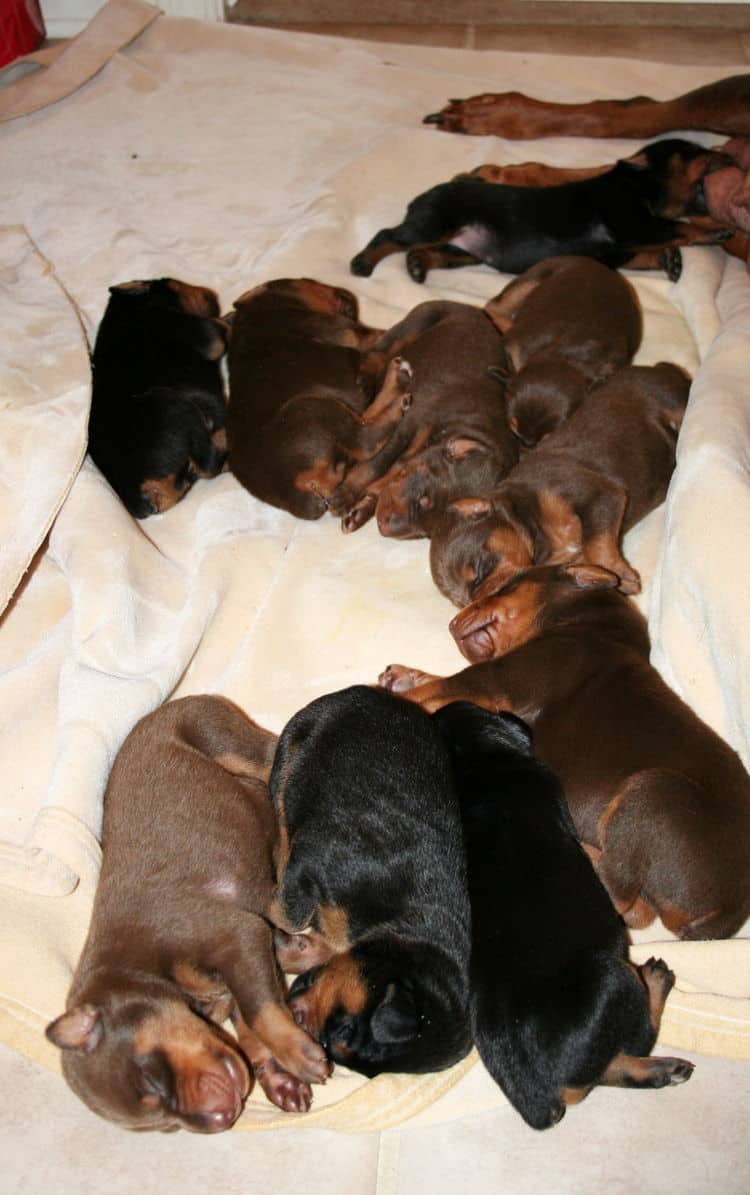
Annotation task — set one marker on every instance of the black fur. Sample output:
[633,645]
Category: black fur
[609,217]
[364,784]
[553,997]
[157,390]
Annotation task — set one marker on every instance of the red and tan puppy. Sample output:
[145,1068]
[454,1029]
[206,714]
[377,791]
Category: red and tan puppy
[301,410]
[568,323]
[573,496]
[178,942]
[660,801]
[455,437]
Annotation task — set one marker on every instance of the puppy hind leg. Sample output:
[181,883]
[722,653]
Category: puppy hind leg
[601,523]
[440,256]
[627,1071]
[394,396]
[385,243]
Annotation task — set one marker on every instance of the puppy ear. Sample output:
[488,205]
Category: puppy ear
[591,576]
[459,447]
[471,508]
[212,338]
[77,1029]
[638,161]
[134,289]
[395,1019]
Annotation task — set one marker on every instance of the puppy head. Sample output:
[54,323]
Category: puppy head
[420,492]
[497,624]
[304,293]
[160,301]
[369,1013]
[677,169]
[543,395]
[151,1063]
[475,549]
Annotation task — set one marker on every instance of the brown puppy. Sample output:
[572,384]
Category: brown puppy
[722,107]
[661,801]
[573,496]
[569,323]
[454,438]
[300,412]
[178,940]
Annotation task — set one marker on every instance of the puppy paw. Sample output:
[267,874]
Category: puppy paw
[360,265]
[416,265]
[657,976]
[668,1072]
[630,581]
[397,678]
[282,1089]
[670,260]
[359,514]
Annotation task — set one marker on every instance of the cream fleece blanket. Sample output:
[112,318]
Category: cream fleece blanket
[229,156]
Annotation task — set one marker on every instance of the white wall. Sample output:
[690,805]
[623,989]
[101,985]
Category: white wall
[64,18]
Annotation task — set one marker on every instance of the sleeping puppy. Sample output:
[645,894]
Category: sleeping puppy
[660,801]
[178,941]
[302,412]
[628,216]
[371,863]
[569,323]
[157,404]
[556,1007]
[574,496]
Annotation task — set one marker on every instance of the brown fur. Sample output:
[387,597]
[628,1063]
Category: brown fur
[663,799]
[721,107]
[574,495]
[569,323]
[300,413]
[178,938]
[455,435]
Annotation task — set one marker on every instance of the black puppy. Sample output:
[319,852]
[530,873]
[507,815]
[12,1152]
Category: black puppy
[157,405]
[371,862]
[627,216]
[556,1007]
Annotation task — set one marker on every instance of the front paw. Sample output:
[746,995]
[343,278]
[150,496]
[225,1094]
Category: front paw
[670,260]
[630,581]
[359,514]
[282,1089]
[397,678]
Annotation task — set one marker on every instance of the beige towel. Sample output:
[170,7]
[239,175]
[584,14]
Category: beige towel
[228,156]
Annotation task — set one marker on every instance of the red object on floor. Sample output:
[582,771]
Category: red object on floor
[21,28]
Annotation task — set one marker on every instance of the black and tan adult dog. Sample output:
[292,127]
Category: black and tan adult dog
[371,862]
[556,1007]
[157,405]
[627,216]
